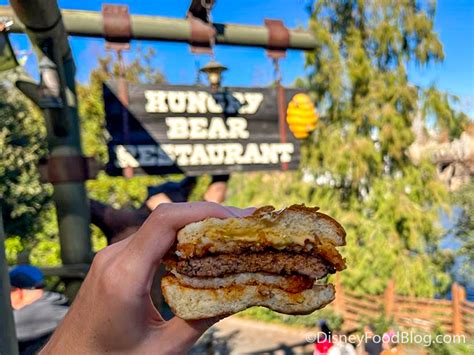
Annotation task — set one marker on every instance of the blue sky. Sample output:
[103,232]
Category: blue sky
[249,66]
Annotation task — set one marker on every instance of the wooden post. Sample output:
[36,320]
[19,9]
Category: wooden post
[58,102]
[339,301]
[8,344]
[389,299]
[457,295]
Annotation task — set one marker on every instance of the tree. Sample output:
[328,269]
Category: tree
[22,144]
[358,157]
[464,229]
[28,212]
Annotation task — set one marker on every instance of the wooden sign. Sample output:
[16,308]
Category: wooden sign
[187,129]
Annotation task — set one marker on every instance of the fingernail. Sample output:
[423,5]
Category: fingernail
[239,212]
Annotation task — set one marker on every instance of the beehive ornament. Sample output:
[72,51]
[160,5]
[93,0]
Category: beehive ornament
[301,116]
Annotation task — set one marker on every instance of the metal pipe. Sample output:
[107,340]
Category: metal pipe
[8,344]
[156,28]
[58,102]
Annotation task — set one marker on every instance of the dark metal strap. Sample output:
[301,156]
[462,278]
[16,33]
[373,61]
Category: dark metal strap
[60,169]
[201,35]
[278,38]
[117,26]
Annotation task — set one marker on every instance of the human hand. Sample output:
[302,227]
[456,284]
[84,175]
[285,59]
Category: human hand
[113,311]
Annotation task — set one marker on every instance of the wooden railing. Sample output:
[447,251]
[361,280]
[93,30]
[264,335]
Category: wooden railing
[455,316]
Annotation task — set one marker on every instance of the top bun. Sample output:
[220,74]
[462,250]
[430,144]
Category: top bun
[294,227]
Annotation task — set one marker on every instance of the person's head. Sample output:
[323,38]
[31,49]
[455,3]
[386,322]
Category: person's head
[369,330]
[389,340]
[27,283]
[26,277]
[324,327]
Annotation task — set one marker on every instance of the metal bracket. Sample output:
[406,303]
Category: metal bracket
[117,26]
[278,38]
[201,35]
[60,169]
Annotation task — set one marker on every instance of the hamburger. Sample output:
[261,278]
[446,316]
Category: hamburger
[276,259]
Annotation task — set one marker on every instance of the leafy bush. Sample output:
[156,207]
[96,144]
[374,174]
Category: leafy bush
[449,348]
[23,197]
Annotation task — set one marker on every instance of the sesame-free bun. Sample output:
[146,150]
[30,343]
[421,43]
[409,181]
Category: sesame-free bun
[199,303]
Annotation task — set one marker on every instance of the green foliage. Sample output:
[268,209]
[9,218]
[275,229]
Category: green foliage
[120,192]
[309,321]
[282,189]
[44,247]
[28,213]
[13,246]
[200,189]
[381,323]
[21,147]
[457,345]
[466,348]
[439,104]
[464,229]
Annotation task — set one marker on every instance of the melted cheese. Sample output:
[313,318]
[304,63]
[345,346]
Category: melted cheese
[255,233]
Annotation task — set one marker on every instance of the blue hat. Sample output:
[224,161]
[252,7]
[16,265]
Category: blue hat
[26,276]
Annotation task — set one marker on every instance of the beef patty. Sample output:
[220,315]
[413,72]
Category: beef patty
[328,252]
[270,262]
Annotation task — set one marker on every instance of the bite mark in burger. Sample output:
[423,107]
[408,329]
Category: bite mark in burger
[274,259]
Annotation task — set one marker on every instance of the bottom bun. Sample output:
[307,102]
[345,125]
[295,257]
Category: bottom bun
[195,303]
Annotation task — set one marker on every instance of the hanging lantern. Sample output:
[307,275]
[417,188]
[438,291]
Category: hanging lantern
[214,72]
[301,116]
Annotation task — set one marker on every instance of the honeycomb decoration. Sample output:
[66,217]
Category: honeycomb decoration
[301,116]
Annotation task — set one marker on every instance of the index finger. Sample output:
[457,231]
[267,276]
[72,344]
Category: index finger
[156,236]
